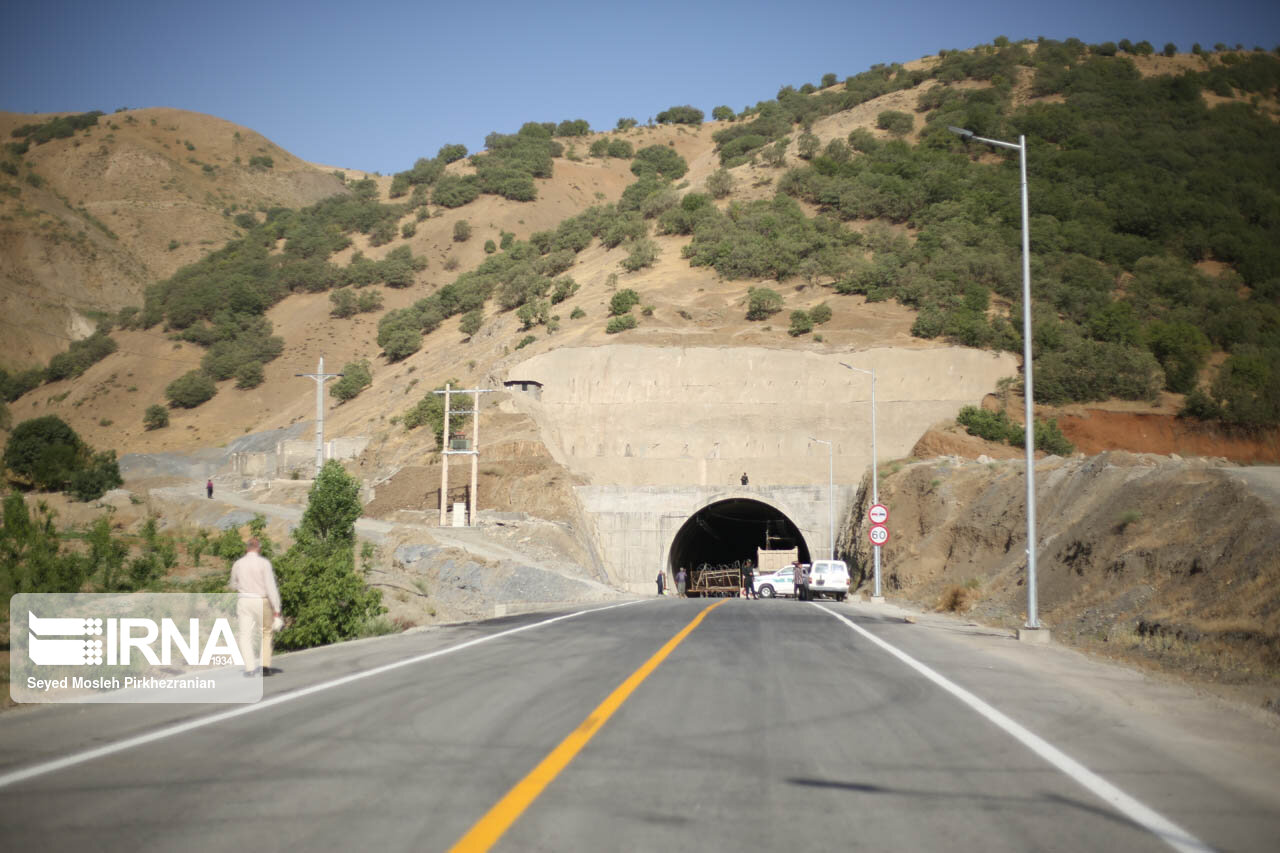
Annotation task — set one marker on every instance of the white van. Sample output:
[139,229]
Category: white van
[828,577]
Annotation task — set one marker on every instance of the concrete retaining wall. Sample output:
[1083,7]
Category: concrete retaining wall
[295,455]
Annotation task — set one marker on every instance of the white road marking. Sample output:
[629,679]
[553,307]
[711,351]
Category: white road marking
[1141,814]
[191,725]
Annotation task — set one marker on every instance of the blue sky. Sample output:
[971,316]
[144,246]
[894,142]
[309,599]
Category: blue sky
[376,85]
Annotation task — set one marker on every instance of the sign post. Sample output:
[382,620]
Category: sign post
[878,514]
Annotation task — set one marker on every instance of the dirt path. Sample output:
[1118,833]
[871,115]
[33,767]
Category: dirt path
[475,541]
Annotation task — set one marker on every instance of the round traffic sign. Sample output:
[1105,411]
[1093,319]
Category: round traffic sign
[879,513]
[878,534]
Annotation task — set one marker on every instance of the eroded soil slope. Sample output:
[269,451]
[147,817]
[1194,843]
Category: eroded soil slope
[1166,562]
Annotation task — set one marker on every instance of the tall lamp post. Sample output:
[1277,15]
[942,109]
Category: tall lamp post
[831,517]
[1033,621]
[875,479]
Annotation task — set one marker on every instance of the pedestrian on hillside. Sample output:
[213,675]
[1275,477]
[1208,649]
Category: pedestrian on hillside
[258,608]
[662,581]
[208,487]
[748,581]
[744,478]
[682,583]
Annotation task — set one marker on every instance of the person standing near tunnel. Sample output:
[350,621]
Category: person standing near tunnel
[748,581]
[801,580]
[682,582]
[662,581]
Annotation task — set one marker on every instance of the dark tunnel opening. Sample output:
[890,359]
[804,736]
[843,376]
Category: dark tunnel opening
[730,531]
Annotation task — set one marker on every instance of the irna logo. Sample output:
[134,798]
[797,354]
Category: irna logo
[89,641]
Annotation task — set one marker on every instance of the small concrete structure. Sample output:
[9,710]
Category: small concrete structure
[295,455]
[1035,636]
[525,386]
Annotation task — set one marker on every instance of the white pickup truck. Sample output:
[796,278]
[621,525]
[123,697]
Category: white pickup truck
[773,584]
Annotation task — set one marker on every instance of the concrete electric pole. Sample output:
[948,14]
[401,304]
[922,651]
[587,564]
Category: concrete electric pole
[320,377]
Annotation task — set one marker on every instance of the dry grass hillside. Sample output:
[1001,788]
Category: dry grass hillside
[691,306]
[94,218]
[160,177]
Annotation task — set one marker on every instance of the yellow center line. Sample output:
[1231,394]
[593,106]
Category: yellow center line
[506,811]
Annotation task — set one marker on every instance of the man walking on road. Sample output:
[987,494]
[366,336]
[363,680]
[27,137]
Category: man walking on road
[258,608]
[682,582]
[208,487]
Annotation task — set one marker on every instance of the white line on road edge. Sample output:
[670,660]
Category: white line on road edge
[182,728]
[1156,823]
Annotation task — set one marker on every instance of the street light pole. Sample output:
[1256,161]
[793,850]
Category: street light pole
[831,513]
[320,378]
[875,478]
[1033,621]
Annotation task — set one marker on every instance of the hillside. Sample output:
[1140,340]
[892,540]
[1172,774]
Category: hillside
[1166,563]
[88,221]
[690,304]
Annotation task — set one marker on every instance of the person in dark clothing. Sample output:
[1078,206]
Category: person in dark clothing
[744,478]
[749,581]
[208,487]
[662,581]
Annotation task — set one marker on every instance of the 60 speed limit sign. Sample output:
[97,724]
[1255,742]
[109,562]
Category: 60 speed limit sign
[878,534]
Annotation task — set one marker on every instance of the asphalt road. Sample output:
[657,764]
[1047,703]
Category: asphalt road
[773,725]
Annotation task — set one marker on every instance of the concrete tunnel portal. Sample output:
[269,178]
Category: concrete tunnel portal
[730,531]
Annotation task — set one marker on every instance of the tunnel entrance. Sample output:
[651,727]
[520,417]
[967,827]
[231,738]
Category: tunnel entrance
[730,531]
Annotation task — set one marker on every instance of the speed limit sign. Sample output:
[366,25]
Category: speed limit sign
[879,513]
[878,534]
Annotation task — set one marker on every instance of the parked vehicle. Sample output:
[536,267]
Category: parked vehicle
[828,577]
[773,584]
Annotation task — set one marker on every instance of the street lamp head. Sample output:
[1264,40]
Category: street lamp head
[859,369]
[964,134]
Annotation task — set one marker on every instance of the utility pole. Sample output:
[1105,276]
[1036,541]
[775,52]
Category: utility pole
[474,452]
[320,378]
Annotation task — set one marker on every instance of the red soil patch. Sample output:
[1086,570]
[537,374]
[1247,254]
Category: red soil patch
[1095,431]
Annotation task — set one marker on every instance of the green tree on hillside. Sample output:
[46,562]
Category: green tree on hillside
[659,161]
[156,417]
[190,390]
[763,303]
[356,377]
[681,115]
[1182,351]
[48,454]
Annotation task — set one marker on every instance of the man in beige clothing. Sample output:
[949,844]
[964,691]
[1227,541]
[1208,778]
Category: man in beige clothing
[259,606]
